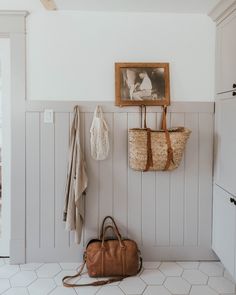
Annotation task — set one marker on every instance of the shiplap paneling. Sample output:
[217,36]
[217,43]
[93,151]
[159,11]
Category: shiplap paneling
[47,184]
[61,136]
[148,197]
[162,205]
[33,181]
[205,161]
[134,193]
[191,185]
[120,173]
[167,213]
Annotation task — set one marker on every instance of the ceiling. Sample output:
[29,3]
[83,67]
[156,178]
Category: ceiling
[165,6]
[172,6]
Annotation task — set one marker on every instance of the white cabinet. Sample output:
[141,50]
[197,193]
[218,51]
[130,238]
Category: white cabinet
[225,144]
[224,196]
[223,238]
[226,54]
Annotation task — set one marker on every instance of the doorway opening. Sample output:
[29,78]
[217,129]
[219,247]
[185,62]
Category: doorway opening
[4,147]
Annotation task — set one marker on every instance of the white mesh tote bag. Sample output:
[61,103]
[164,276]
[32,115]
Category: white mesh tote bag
[99,138]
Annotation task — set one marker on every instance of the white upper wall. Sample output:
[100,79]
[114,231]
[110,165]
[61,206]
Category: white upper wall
[71,55]
[29,5]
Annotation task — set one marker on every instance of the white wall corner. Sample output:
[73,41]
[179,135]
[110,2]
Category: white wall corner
[222,10]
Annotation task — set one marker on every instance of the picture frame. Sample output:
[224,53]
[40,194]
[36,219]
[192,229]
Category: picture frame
[142,84]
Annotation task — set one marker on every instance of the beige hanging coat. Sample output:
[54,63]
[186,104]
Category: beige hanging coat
[77,182]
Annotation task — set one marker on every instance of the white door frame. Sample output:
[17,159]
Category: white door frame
[12,25]
[5,153]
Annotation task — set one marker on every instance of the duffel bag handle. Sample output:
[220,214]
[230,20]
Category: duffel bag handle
[115,232]
[114,223]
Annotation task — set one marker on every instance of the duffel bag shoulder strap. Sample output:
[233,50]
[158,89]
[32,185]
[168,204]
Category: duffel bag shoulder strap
[66,280]
[170,155]
[95,283]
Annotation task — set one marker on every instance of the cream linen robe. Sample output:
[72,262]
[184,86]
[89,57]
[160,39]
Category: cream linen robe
[77,182]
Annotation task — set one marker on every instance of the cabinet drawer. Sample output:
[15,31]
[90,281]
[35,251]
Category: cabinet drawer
[223,238]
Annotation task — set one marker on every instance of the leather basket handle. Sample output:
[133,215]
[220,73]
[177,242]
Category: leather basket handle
[143,114]
[170,155]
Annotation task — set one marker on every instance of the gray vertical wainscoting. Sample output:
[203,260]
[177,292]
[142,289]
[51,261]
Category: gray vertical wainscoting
[167,213]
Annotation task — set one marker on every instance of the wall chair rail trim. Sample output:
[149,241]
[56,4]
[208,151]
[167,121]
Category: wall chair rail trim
[108,107]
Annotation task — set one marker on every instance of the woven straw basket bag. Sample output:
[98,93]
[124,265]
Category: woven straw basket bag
[156,150]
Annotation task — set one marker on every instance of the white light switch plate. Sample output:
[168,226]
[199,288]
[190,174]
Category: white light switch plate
[48,116]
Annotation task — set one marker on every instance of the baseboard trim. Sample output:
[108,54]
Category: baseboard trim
[177,253]
[17,251]
[75,254]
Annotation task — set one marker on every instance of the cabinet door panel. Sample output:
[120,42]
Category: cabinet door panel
[225,145]
[225,54]
[223,242]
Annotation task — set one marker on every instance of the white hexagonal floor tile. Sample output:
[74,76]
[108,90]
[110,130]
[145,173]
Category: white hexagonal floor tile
[202,290]
[58,278]
[7,260]
[7,271]
[30,266]
[48,270]
[109,290]
[152,277]
[212,269]
[41,287]
[132,285]
[188,264]
[23,279]
[4,285]
[70,266]
[87,290]
[17,291]
[195,277]
[87,280]
[228,276]
[151,265]
[221,285]
[171,269]
[63,291]
[156,290]
[2,262]
[177,285]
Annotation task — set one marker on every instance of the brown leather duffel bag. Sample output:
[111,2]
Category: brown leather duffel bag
[115,258]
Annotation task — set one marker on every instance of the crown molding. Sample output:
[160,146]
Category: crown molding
[222,10]
[14,12]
